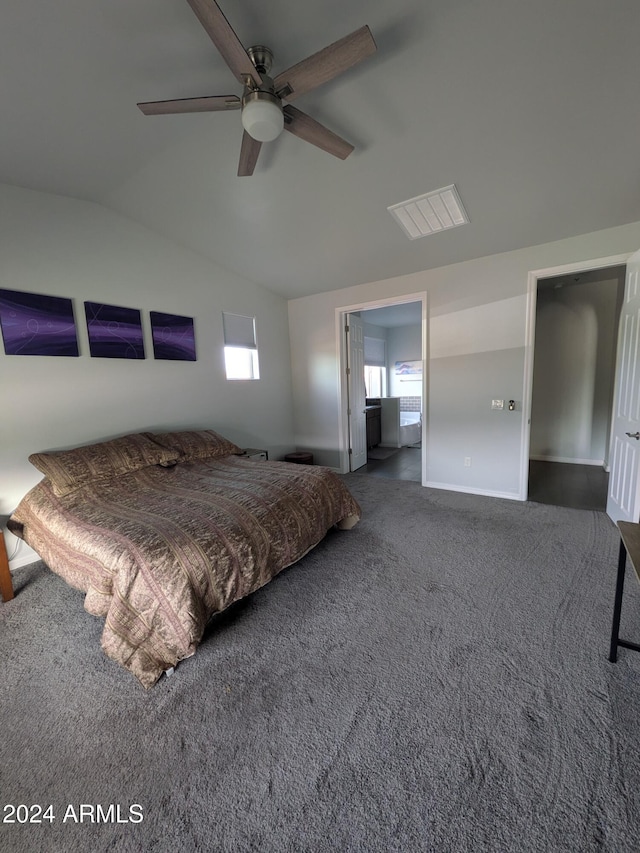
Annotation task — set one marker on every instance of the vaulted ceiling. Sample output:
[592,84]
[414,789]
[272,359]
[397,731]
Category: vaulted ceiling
[529,108]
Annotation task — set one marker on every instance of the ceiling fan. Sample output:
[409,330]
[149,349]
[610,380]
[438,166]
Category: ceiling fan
[263,114]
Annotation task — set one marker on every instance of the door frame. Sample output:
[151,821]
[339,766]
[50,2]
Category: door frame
[341,360]
[532,299]
[356,400]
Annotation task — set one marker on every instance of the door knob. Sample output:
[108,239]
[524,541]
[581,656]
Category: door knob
[635,435]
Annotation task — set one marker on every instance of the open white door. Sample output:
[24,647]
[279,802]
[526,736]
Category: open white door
[623,500]
[356,393]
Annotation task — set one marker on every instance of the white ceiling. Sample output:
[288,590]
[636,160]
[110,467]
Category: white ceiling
[528,106]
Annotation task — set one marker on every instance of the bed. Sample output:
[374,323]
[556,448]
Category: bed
[162,531]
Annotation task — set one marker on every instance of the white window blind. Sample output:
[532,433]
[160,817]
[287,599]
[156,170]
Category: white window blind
[239,331]
[374,352]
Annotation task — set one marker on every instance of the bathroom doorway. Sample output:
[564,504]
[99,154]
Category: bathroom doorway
[394,377]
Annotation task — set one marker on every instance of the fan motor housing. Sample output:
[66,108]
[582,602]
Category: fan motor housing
[262,58]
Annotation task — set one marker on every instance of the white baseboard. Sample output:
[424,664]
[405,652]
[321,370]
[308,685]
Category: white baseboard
[24,560]
[570,460]
[512,496]
[23,556]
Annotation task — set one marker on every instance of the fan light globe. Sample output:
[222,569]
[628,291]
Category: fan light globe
[262,118]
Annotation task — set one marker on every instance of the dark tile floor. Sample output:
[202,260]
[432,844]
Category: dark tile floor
[403,464]
[564,484]
[556,483]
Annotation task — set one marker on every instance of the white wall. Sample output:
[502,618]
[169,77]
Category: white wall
[64,247]
[487,354]
[476,356]
[574,364]
[404,343]
[371,330]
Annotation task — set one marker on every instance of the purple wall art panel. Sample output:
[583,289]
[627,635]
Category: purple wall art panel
[114,332]
[33,324]
[173,337]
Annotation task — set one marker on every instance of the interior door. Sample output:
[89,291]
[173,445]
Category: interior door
[623,500]
[356,393]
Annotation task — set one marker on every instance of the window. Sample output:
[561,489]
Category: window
[240,348]
[375,367]
[375,381]
[241,363]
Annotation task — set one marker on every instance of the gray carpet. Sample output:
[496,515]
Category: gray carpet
[434,680]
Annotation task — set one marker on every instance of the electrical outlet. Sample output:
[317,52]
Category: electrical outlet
[467,462]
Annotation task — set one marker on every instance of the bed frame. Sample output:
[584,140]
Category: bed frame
[6,587]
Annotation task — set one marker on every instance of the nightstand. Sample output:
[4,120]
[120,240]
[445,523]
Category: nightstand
[6,587]
[255,453]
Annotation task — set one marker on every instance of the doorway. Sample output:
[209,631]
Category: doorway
[396,330]
[576,333]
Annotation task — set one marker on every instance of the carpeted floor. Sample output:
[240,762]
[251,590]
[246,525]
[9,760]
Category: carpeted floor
[434,680]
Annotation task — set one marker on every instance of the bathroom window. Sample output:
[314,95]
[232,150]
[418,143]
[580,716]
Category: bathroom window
[375,366]
[375,381]
[240,346]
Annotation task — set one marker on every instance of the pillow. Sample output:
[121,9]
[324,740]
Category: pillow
[196,444]
[67,470]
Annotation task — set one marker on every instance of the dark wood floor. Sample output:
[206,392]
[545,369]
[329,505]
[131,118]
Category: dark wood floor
[564,484]
[555,483]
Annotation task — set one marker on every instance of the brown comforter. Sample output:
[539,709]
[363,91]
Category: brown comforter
[160,550]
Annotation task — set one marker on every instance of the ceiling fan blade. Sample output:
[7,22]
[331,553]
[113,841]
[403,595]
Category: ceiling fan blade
[307,128]
[249,151]
[222,35]
[325,64]
[191,105]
